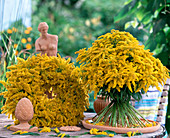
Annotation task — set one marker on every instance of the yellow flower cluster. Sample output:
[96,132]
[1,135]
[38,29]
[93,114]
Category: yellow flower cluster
[20,132]
[31,78]
[95,131]
[61,135]
[131,134]
[150,124]
[99,124]
[116,60]
[45,129]
[8,126]
[56,130]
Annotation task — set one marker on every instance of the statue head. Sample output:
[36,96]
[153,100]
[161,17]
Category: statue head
[43,26]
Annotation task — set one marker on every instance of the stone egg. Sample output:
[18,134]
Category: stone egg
[24,110]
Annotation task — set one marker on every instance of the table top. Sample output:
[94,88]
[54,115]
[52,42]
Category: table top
[4,133]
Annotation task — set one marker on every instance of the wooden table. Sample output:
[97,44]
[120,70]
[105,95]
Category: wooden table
[4,133]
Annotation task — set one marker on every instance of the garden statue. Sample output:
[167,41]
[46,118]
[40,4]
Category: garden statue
[46,43]
[24,112]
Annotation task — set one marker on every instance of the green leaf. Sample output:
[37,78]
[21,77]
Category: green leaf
[31,127]
[138,134]
[168,116]
[140,13]
[67,135]
[142,91]
[137,96]
[160,37]
[110,132]
[84,133]
[40,129]
[159,24]
[1,98]
[31,133]
[151,43]
[147,18]
[124,135]
[122,14]
[128,9]
[127,2]
[16,133]
[8,125]
[53,135]
[163,56]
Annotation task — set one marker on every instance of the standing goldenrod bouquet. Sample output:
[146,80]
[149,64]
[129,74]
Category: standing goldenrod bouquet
[117,67]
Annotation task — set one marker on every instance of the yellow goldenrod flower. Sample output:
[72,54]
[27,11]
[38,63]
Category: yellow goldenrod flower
[23,40]
[129,133]
[111,135]
[59,135]
[148,125]
[17,132]
[93,131]
[23,132]
[87,121]
[8,126]
[100,123]
[63,135]
[154,123]
[133,133]
[5,125]
[15,45]
[29,28]
[28,46]
[101,133]
[9,31]
[116,60]
[45,129]
[56,130]
[27,32]
[29,39]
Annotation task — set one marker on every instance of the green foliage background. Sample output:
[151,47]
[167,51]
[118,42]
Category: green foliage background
[76,22]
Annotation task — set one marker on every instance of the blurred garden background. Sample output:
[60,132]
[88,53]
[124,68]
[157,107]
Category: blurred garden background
[78,23]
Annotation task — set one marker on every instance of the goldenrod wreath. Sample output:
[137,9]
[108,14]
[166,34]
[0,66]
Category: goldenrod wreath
[31,78]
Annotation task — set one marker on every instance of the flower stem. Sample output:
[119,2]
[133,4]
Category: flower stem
[114,115]
[124,114]
[98,119]
[129,114]
[136,117]
[139,114]
[121,115]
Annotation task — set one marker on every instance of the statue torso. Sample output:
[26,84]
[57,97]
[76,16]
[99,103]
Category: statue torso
[48,45]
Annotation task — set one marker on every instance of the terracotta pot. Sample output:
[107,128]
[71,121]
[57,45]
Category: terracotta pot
[100,103]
